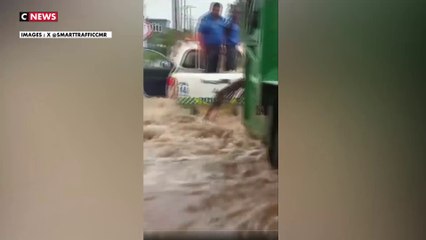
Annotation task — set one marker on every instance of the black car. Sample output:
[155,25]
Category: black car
[156,70]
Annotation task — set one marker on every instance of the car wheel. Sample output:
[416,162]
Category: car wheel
[273,150]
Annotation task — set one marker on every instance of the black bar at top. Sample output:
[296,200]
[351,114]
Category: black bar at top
[212,235]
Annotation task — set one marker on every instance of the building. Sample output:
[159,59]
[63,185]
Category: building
[158,24]
[159,28]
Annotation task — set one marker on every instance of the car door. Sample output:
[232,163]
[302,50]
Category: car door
[195,83]
[156,70]
[204,85]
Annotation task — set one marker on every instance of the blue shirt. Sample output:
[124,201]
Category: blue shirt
[213,30]
[233,37]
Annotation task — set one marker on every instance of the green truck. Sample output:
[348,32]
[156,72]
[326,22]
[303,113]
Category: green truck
[260,35]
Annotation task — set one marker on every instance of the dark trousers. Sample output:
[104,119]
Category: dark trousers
[231,57]
[212,58]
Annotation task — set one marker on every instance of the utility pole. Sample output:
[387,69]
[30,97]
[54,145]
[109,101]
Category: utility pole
[189,18]
[182,14]
[189,22]
[176,6]
[185,15]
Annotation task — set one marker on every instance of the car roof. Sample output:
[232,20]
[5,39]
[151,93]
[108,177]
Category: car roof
[182,46]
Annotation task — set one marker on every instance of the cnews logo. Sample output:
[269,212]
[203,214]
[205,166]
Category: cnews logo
[38,16]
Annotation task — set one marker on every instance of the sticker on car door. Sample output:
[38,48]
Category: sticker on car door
[183,89]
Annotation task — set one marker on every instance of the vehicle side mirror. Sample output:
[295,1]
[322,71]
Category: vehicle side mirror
[166,64]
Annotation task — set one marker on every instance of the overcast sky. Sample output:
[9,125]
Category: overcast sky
[163,8]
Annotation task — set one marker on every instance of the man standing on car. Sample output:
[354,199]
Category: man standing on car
[232,40]
[211,35]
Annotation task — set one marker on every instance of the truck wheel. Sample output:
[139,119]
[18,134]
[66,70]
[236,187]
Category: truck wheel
[273,150]
[273,136]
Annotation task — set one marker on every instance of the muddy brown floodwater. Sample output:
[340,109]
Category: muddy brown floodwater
[202,175]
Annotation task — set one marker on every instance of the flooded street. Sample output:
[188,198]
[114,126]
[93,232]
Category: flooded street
[202,175]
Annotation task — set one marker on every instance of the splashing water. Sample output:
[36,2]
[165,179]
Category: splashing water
[201,175]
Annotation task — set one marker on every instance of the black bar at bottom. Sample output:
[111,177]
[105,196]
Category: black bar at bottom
[212,235]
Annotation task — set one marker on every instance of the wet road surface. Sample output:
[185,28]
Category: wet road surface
[201,175]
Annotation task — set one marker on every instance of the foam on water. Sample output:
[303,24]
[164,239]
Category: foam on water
[200,175]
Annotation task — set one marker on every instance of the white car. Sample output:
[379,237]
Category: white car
[188,83]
